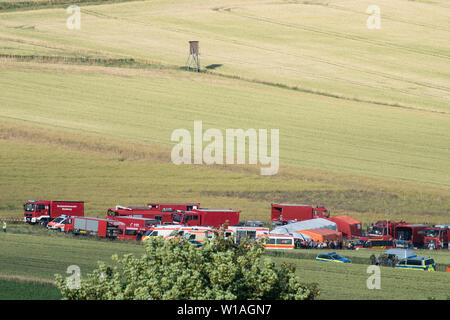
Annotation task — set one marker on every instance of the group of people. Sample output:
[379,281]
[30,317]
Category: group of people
[311,244]
[384,260]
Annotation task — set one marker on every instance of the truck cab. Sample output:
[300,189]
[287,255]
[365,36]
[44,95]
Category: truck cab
[36,210]
[437,237]
[186,218]
[321,212]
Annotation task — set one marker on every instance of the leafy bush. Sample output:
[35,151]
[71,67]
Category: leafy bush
[218,270]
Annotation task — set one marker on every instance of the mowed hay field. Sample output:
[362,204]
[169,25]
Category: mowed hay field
[363,116]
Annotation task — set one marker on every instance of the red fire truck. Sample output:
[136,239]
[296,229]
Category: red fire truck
[42,211]
[437,237]
[173,206]
[135,228]
[164,217]
[409,235]
[283,213]
[105,228]
[206,217]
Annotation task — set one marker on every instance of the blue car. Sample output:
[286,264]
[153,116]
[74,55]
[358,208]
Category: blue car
[332,257]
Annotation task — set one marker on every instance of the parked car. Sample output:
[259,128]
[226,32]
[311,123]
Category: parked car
[417,263]
[332,257]
[58,223]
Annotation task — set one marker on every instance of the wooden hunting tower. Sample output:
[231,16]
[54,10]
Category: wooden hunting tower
[194,58]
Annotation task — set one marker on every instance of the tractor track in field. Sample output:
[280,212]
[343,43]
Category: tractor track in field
[320,60]
[385,17]
[339,35]
[340,65]
[332,34]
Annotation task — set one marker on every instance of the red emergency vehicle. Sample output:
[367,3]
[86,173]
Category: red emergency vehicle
[375,242]
[43,211]
[409,235]
[381,228]
[283,213]
[105,228]
[437,237]
[173,206]
[164,217]
[135,227]
[206,217]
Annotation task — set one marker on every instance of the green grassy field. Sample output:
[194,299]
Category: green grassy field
[11,290]
[33,253]
[88,114]
[348,282]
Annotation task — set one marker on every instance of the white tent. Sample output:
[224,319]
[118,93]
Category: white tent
[284,230]
[292,228]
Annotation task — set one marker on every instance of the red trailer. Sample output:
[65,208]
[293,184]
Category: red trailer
[173,206]
[164,217]
[437,237]
[105,228]
[206,217]
[283,213]
[409,235]
[350,228]
[42,211]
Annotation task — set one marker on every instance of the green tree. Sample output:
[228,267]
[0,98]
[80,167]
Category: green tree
[218,270]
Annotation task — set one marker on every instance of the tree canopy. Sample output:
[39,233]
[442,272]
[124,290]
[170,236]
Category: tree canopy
[180,270]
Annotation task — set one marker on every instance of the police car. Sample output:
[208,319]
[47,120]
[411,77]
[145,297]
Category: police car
[332,257]
[417,263]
